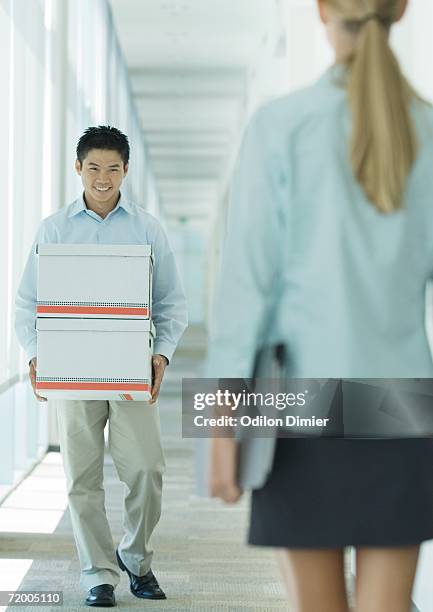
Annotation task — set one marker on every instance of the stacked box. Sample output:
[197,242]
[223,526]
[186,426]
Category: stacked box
[95,333]
[94,280]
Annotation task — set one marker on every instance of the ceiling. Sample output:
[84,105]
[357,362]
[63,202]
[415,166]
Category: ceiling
[188,63]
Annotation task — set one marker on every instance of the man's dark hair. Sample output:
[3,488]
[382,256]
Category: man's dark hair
[103,137]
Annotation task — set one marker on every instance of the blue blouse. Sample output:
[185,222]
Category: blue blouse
[309,261]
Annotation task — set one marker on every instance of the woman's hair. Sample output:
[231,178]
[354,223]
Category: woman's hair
[383,143]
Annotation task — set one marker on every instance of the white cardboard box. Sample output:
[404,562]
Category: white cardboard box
[94,358]
[94,280]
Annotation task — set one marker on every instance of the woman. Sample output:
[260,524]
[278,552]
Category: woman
[328,249]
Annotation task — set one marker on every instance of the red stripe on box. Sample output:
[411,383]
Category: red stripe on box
[89,386]
[127,396]
[93,310]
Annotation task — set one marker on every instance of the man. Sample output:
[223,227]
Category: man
[104,216]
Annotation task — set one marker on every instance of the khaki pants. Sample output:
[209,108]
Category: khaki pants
[135,445]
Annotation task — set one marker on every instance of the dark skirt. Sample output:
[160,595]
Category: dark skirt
[325,493]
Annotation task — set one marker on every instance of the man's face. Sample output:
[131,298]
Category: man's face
[102,173]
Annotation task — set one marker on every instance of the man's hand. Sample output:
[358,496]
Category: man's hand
[159,363]
[32,375]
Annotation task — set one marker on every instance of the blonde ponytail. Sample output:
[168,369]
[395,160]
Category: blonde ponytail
[383,143]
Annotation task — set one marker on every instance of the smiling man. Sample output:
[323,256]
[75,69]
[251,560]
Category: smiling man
[102,215]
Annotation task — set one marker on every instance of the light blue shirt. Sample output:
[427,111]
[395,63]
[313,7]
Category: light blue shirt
[127,223]
[310,262]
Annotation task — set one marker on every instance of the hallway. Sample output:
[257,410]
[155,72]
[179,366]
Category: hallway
[182,79]
[200,558]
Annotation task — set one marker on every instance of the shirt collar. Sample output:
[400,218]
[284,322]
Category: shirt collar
[79,206]
[335,76]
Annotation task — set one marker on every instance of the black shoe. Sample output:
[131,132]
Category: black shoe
[146,586]
[101,596]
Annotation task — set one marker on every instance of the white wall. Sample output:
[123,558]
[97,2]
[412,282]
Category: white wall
[188,245]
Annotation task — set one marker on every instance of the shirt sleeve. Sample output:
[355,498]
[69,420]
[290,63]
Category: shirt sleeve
[25,302]
[169,307]
[252,254]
